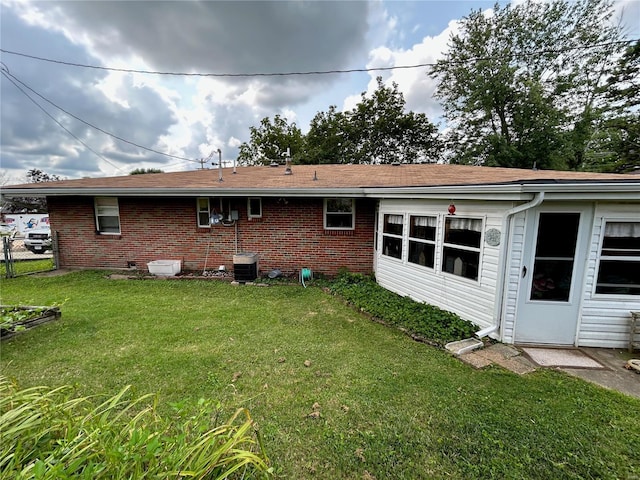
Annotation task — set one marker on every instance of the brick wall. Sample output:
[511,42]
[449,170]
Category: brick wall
[289,236]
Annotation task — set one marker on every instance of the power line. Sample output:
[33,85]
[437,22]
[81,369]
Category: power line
[12,78]
[8,76]
[315,72]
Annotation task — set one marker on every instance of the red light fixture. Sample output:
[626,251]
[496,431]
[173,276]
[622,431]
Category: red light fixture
[452,209]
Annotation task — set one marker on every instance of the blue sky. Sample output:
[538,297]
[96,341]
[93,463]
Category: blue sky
[188,117]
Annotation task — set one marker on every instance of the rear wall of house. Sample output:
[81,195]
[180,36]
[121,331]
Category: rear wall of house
[289,236]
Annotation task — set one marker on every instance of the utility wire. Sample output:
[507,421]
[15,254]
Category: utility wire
[12,78]
[316,72]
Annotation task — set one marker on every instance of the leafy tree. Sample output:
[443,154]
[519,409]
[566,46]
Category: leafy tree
[142,171]
[269,142]
[30,204]
[521,87]
[327,140]
[616,145]
[376,130]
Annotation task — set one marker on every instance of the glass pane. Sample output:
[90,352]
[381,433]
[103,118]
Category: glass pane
[109,224]
[423,227]
[557,234]
[552,280]
[203,205]
[618,277]
[391,224]
[422,253]
[255,207]
[339,220]
[203,219]
[621,239]
[462,231]
[460,262]
[391,246]
[339,205]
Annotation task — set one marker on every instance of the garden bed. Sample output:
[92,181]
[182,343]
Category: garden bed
[17,318]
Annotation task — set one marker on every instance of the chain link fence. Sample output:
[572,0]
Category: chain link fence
[18,260]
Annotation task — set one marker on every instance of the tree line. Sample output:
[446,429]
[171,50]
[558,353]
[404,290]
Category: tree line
[550,85]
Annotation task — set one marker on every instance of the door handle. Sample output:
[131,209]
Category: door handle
[524,271]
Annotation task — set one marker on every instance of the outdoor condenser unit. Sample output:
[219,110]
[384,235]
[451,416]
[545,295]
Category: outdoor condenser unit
[245,267]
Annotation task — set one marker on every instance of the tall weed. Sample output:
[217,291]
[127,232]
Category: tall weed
[49,434]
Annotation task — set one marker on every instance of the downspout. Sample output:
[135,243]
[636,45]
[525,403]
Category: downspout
[506,225]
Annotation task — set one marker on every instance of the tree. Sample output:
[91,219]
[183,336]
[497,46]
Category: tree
[270,141]
[521,87]
[30,204]
[142,171]
[376,130]
[616,145]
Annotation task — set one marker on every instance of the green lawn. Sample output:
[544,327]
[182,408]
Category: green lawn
[389,407]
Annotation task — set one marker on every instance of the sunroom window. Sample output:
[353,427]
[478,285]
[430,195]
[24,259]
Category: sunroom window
[619,269]
[107,215]
[339,213]
[422,240]
[461,247]
[392,235]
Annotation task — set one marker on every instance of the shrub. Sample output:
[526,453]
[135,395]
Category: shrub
[431,323]
[49,434]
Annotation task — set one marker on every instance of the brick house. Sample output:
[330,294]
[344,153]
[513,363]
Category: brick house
[541,257]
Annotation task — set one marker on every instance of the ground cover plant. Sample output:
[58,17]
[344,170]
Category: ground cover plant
[333,394]
[427,322]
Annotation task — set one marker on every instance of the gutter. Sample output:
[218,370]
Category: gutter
[501,283]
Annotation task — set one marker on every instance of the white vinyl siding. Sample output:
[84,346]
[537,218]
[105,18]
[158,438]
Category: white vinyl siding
[472,300]
[605,318]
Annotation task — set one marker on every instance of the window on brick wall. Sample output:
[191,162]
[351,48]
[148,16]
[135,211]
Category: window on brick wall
[461,247]
[203,212]
[422,240]
[107,215]
[339,213]
[392,235]
[254,207]
[619,267]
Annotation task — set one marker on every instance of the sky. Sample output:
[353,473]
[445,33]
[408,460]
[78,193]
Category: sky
[54,116]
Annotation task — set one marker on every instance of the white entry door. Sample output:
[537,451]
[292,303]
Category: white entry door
[552,275]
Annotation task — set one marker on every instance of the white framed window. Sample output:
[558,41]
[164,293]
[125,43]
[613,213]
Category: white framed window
[422,240]
[392,230]
[107,215]
[204,212]
[254,207]
[461,246]
[339,213]
[619,266]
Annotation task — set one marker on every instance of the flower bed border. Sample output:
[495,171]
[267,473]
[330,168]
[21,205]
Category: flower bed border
[47,314]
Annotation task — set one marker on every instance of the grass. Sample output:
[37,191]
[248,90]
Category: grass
[369,403]
[23,267]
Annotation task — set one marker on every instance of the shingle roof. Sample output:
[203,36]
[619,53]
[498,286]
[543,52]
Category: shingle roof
[310,177]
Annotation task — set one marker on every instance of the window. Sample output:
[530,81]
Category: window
[461,247]
[422,240]
[392,235]
[619,270]
[107,215]
[254,207]
[203,212]
[339,213]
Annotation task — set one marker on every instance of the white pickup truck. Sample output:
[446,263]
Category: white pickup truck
[38,240]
